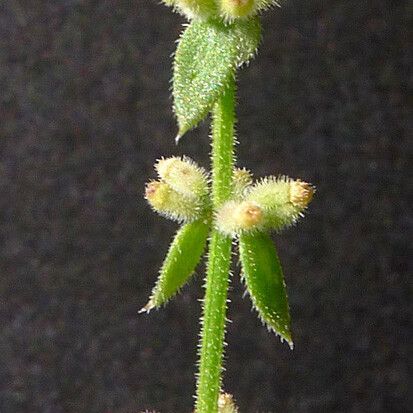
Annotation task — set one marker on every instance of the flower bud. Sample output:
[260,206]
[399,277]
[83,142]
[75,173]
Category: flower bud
[232,9]
[273,203]
[238,217]
[172,204]
[282,200]
[301,193]
[226,404]
[242,179]
[183,175]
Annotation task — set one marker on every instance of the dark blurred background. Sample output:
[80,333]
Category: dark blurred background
[85,110]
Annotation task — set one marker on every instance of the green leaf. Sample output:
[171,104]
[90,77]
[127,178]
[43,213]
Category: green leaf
[180,262]
[206,58]
[265,282]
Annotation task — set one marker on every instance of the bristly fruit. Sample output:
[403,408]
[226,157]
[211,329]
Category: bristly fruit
[183,175]
[172,204]
[282,199]
[237,217]
[271,204]
[181,194]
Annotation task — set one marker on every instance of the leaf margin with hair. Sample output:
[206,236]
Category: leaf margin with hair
[207,56]
[184,254]
[265,283]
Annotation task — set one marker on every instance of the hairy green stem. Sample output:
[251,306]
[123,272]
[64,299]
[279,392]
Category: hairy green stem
[219,261]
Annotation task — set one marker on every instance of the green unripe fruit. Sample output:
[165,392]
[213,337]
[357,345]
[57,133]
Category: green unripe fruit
[282,200]
[272,204]
[183,175]
[172,204]
[238,217]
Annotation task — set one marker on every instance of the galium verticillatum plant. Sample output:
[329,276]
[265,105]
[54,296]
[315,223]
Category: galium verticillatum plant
[226,206]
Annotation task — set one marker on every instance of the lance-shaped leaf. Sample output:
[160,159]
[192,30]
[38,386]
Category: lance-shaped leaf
[265,282]
[207,56]
[180,262]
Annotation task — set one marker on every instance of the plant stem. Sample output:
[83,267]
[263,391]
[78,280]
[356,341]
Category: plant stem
[219,261]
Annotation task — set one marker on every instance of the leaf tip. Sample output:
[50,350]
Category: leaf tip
[289,341]
[147,308]
[181,132]
[284,336]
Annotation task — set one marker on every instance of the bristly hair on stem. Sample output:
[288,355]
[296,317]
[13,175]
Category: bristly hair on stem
[219,258]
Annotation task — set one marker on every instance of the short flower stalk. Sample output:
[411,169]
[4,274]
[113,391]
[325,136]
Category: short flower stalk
[225,205]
